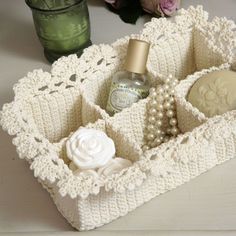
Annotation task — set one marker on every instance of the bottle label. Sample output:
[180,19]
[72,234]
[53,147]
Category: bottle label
[121,97]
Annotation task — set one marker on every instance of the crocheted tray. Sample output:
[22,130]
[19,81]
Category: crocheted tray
[49,106]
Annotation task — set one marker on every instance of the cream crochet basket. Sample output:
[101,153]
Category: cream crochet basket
[48,107]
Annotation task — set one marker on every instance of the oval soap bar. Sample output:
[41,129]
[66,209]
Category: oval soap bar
[214,93]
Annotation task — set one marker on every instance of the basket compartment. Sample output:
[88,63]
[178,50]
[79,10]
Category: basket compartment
[95,93]
[56,115]
[189,116]
[124,146]
[135,118]
[174,56]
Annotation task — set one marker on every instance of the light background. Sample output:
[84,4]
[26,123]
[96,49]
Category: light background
[205,206]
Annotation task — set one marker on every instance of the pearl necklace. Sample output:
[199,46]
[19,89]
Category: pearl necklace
[161,103]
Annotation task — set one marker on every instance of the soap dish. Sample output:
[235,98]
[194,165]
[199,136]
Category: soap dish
[49,107]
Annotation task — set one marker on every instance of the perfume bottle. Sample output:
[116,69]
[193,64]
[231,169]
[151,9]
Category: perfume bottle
[130,85]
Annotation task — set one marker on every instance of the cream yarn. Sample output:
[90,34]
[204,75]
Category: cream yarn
[49,107]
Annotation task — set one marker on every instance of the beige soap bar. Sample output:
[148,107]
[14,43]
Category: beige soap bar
[214,93]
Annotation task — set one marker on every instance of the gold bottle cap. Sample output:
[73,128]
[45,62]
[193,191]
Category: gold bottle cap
[137,55]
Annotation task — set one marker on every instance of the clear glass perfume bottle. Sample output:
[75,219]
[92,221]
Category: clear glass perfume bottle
[130,85]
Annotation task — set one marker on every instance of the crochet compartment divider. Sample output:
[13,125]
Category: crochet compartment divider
[49,107]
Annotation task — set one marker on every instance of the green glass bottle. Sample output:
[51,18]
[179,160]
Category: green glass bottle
[63,26]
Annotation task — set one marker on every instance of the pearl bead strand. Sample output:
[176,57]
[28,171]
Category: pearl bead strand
[161,104]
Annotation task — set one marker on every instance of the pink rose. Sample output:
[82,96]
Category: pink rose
[160,7]
[168,7]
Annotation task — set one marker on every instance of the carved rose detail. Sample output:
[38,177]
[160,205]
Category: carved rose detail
[216,99]
[90,148]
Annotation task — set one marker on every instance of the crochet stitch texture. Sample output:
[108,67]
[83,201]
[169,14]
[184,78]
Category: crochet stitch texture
[49,107]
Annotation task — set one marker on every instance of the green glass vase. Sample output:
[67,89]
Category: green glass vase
[63,26]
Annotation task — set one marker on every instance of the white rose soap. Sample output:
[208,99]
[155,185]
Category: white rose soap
[90,148]
[214,93]
[114,166]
